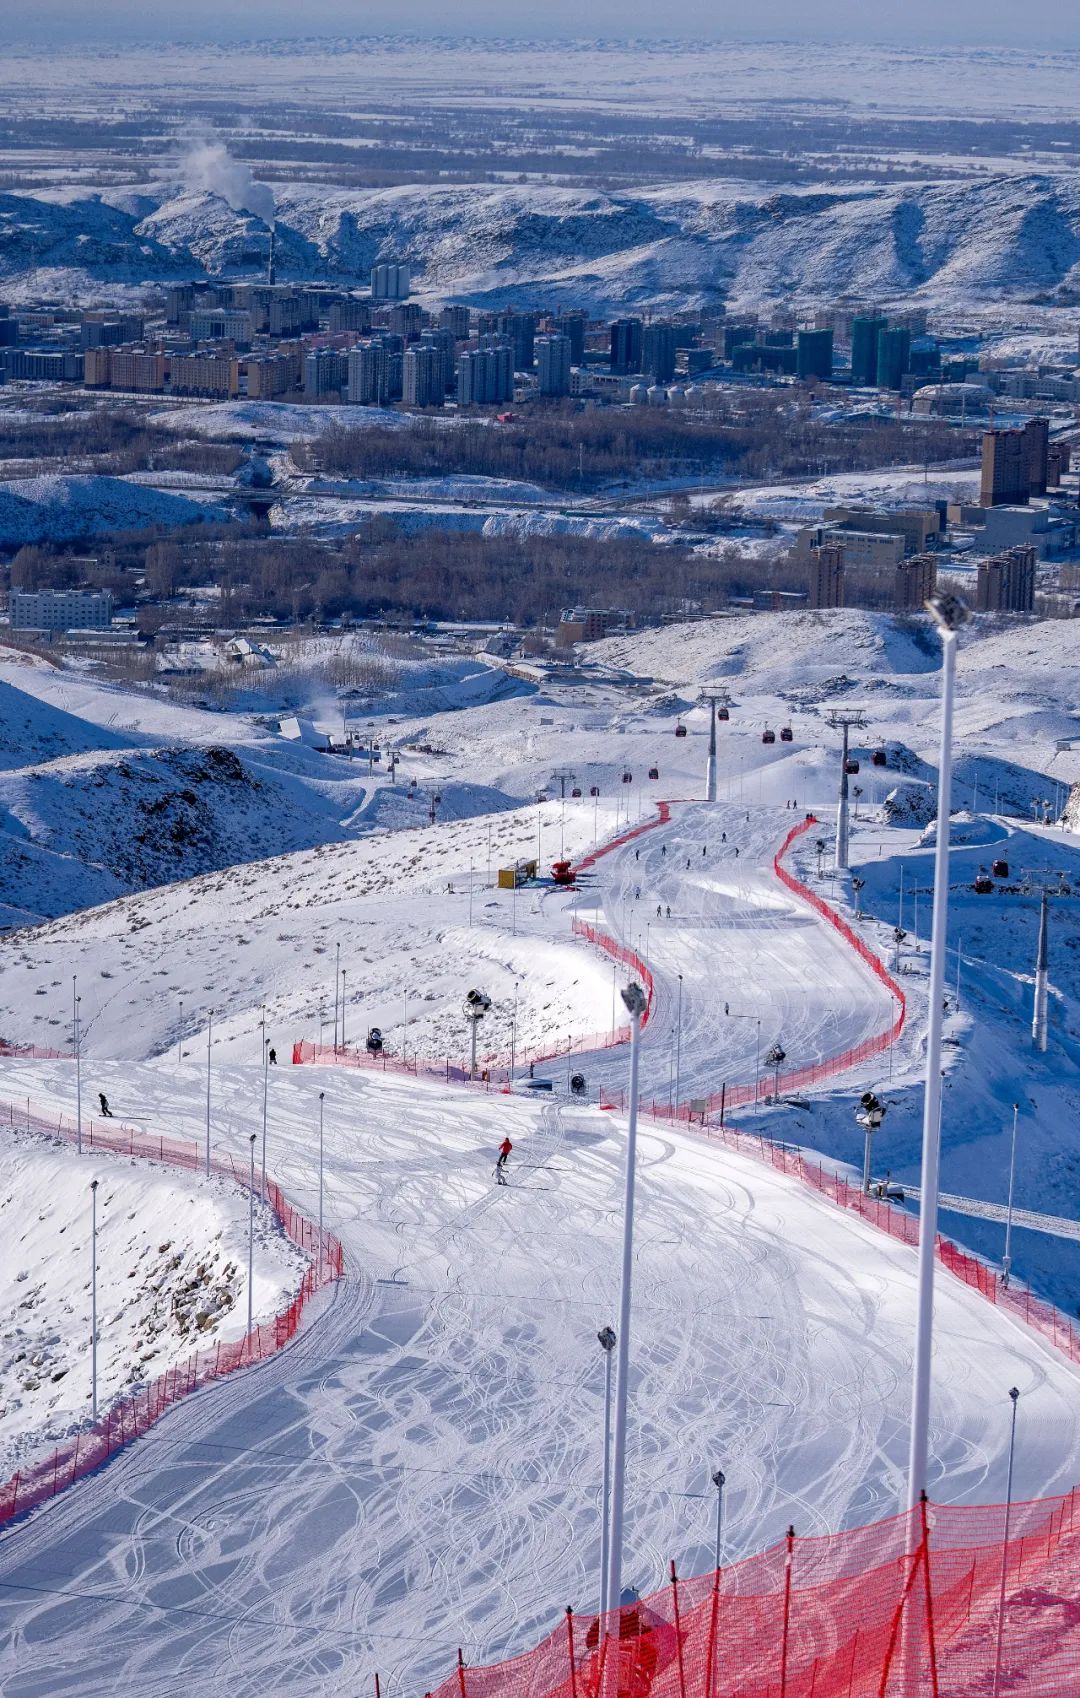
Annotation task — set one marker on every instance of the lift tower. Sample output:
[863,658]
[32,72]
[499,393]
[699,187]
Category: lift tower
[715,699]
[844,721]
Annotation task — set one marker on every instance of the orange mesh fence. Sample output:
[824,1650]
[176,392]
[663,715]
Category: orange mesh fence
[33,1052]
[906,1608]
[81,1454]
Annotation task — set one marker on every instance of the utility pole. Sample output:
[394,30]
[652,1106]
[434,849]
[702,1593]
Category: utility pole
[678,1048]
[251,1236]
[76,1038]
[322,1095]
[844,722]
[209,1032]
[949,614]
[715,699]
[1039,1019]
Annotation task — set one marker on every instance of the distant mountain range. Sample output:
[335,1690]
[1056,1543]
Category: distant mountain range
[1015,237]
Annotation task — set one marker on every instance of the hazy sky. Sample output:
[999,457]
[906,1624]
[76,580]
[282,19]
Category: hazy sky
[1041,22]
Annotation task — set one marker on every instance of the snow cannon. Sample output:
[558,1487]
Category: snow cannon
[374,1041]
[562,872]
[577,1084]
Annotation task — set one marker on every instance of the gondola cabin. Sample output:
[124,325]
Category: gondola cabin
[768,736]
[851,766]
[575,792]
[628,778]
[722,713]
[984,884]
[880,758]
[787,735]
[1000,869]
[680,731]
[594,789]
[654,772]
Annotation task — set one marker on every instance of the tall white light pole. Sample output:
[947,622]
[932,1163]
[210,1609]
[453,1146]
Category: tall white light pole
[76,1030]
[180,1039]
[718,1480]
[209,1033]
[606,1335]
[322,1096]
[949,613]
[343,1008]
[251,1235]
[678,1047]
[1015,1397]
[634,998]
[93,1298]
[1039,1018]
[266,1088]
[1006,1260]
[337,986]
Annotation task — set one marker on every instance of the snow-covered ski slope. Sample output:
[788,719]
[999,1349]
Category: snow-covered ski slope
[420,1468]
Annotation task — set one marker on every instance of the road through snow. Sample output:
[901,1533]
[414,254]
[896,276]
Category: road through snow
[420,1468]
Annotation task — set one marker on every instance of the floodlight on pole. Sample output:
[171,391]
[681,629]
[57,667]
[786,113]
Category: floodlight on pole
[322,1096]
[76,1036]
[266,1088]
[209,1036]
[636,1003]
[1014,1397]
[606,1336]
[870,1113]
[678,1047]
[949,614]
[251,1235]
[93,1298]
[719,1480]
[1039,1018]
[1006,1260]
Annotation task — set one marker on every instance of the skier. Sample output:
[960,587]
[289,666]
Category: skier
[669,911]
[659,911]
[663,849]
[637,854]
[500,1166]
[703,851]
[736,851]
[104,1101]
[272,1057]
[688,863]
[723,837]
[727,1009]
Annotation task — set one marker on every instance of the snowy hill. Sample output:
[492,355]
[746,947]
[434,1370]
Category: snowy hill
[60,508]
[687,246]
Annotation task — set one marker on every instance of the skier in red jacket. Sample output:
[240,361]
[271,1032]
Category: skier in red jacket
[500,1166]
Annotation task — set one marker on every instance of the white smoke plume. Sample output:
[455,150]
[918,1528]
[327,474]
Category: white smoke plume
[209,166]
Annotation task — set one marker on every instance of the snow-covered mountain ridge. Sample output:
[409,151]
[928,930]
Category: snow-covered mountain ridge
[694,245]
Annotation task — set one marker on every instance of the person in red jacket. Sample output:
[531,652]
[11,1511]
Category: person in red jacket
[500,1166]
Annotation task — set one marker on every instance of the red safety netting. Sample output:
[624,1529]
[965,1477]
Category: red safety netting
[33,1052]
[906,1608]
[84,1452]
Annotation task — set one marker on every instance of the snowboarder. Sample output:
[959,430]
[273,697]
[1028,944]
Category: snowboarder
[500,1166]
[104,1101]
[272,1057]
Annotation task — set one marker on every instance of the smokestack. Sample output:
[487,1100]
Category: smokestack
[270,274]
[1039,1022]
